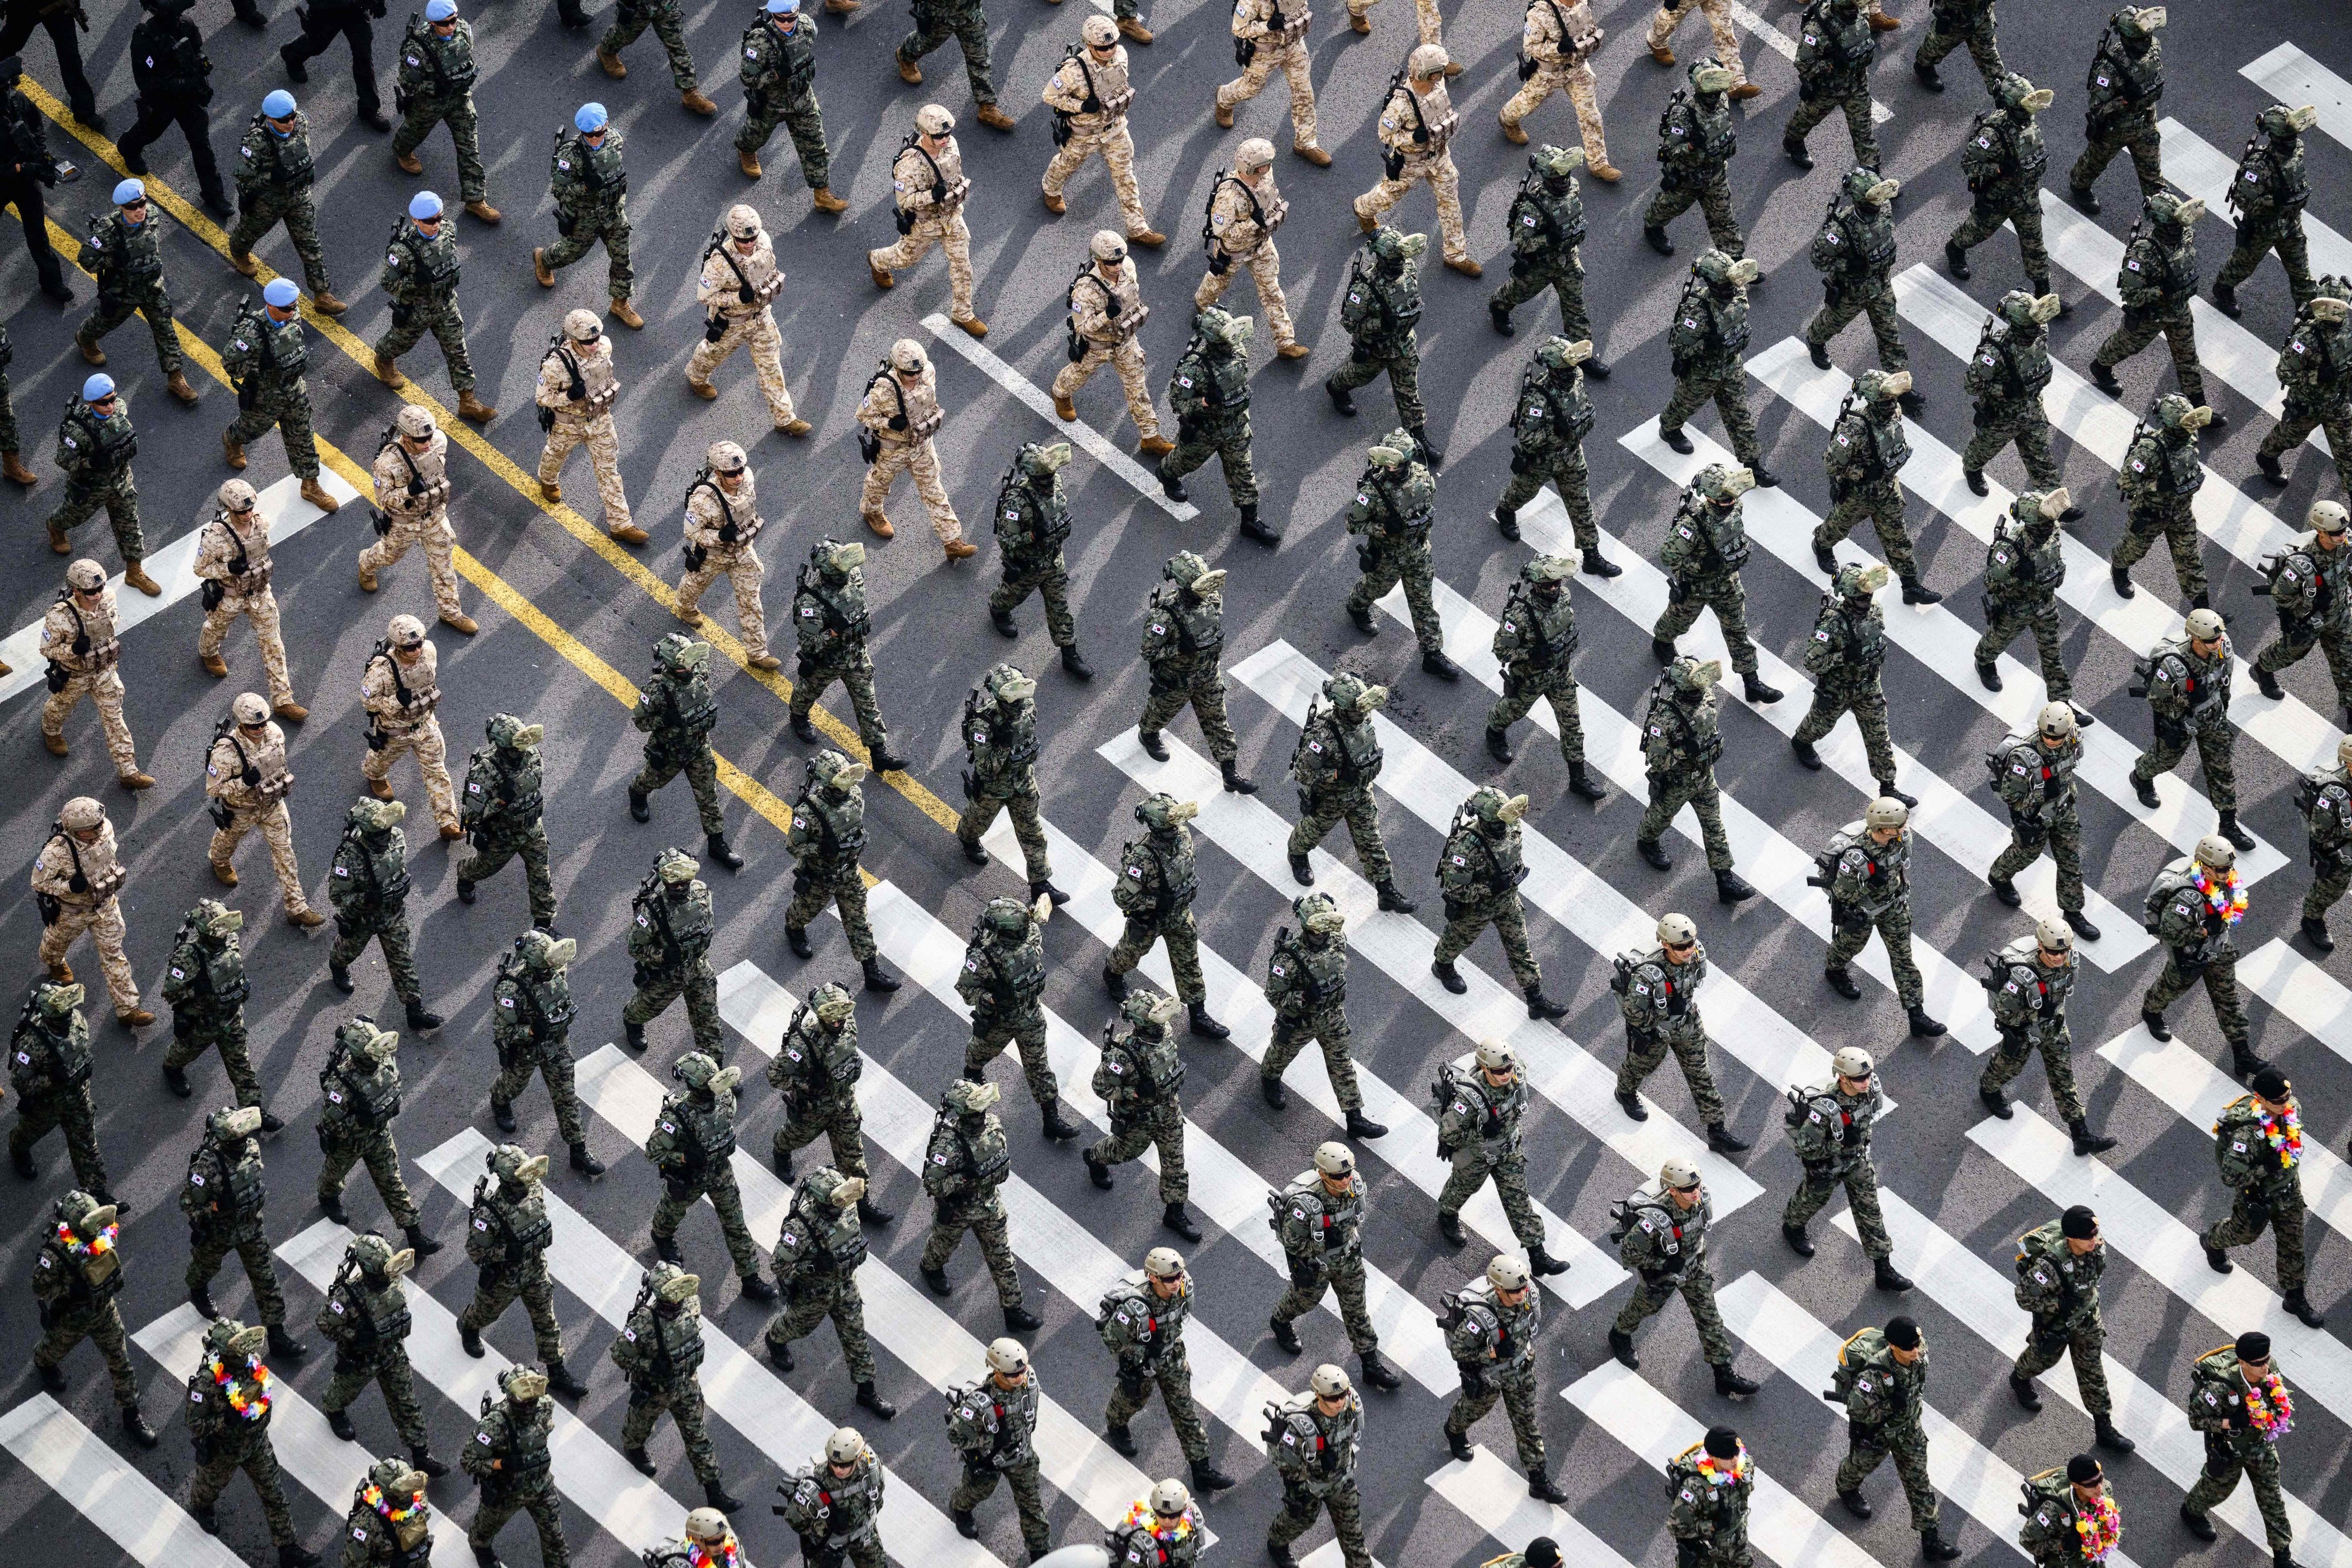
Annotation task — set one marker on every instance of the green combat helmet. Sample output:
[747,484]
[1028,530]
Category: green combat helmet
[1867,187]
[675,866]
[367,1043]
[682,654]
[2171,209]
[832,1004]
[2021,308]
[1193,572]
[57,1002]
[546,953]
[703,1078]
[1858,581]
[2016,92]
[1222,330]
[375,817]
[1557,166]
[970,1097]
[1008,918]
[2139,22]
[1724,483]
[1494,810]
[233,1344]
[1395,250]
[508,734]
[2279,122]
[673,1286]
[1318,913]
[1163,813]
[1042,459]
[1557,352]
[835,559]
[2033,508]
[2174,412]
[1723,273]
[833,771]
[1551,571]
[1353,699]
[1008,685]
[1881,388]
[1711,76]
[1145,1008]
[1696,678]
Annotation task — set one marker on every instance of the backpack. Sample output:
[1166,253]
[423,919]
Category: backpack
[1626,1213]
[1358,303]
[2168,881]
[1981,156]
[1825,863]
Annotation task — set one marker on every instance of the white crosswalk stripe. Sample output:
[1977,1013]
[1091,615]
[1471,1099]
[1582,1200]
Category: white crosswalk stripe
[2305,995]
[123,1505]
[736,1387]
[1806,1349]
[2206,171]
[2290,730]
[1781,43]
[2292,77]
[1495,1495]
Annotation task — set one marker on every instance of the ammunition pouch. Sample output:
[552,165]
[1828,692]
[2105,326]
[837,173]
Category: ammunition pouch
[57,676]
[211,594]
[1245,51]
[714,328]
[1063,130]
[869,445]
[1393,164]
[1528,67]
[905,219]
[546,419]
[218,810]
[695,556]
[565,222]
[50,906]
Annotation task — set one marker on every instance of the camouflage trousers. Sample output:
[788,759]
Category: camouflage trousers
[2221,978]
[1646,1053]
[1998,425]
[1299,1507]
[388,1370]
[2005,619]
[1729,391]
[694,759]
[604,443]
[1695,1286]
[682,1401]
[353,932]
[2333,639]
[1669,793]
[694,981]
[1343,1277]
[2299,418]
[1711,191]
[920,460]
[744,570]
[1908,1446]
[1577,82]
[2330,877]
[951,235]
[1520,693]
[423,742]
[1850,933]
[628,25]
[151,303]
[552,1062]
[1670,15]
[716,1182]
[837,1122]
[261,208]
[261,609]
[1327,1028]
[1861,1183]
[209,1246]
[104,921]
[935,23]
[1183,938]
[68,1110]
[1518,1393]
[1566,469]
[2258,1462]
[2012,1053]
[2257,237]
[809,1299]
[1444,183]
[1983,47]
[287,409]
[1116,145]
[10,438]
[979,1484]
[439,542]
[1228,442]
[1267,56]
[100,1322]
[1160,1126]
[425,111]
[804,122]
[227,1035]
[1318,813]
[1264,266]
[490,855]
[1028,827]
[2214,739]
[609,225]
[1566,282]
[104,689]
[992,1032]
[79,501]
[1463,922]
[2059,831]
[1204,689]
[2283,1207]
[846,892]
[1384,567]
[1051,584]
[951,1218]
[442,318]
[2051,1342]
[1174,1376]
[1882,504]
[1842,305]
[258,1460]
[1472,1167]
[1126,359]
[546,1510]
[756,335]
[2102,143]
[1854,99]
[2024,211]
[374,1147]
[2141,328]
[1832,701]
[276,825]
[500,1286]
[1364,367]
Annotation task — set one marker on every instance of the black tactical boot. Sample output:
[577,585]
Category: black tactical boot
[1170,485]
[1176,1217]
[871,1212]
[635,1034]
[2104,1433]
[176,1081]
[1204,1028]
[1542,1007]
[487,1557]
[294,1554]
[52,1379]
[2103,376]
[1498,746]
[1119,1440]
[1541,1487]
[1794,151]
[1507,522]
[1449,1225]
[1340,399]
[1252,529]
[1434,662]
[1752,684]
[283,1344]
[1097,1171]
[2238,837]
[2005,891]
[1006,627]
[2199,1525]
[2080,925]
[1658,239]
[1820,353]
[422,1244]
[1730,1385]
[1914,592]
[1285,1336]
[332,1205]
[340,974]
[1501,319]
[339,1422]
[1302,870]
[796,938]
[1935,1547]
[1448,976]
[937,1278]
[135,1427]
[1924,1027]
[425,1461]
[719,1498]
[1841,980]
[1270,1090]
[1855,1504]
[640,808]
[756,1287]
[802,730]
[644,1463]
[1632,1107]
[1207,1477]
[1379,1373]
[2269,465]
[1886,1276]
[465,891]
[1977,485]
[1544,1263]
[200,1296]
[1581,784]
[2298,1303]
[1361,614]
[879,980]
[2084,198]
[1798,1242]
[421,1018]
[1362,1126]
[2028,1397]
[1824,558]
[1807,757]
[1654,853]
[1599,565]
[716,848]
[1926,75]
[1235,782]
[1678,441]
[1074,663]
[1621,1347]
[470,1341]
[1955,261]
[2087,1142]
[1458,1445]
[1719,1138]
[1732,888]
[2316,933]
[870,1398]
[1393,901]
[2225,299]
[2155,1025]
[1020,1320]
[559,1379]
[1989,675]
[502,1113]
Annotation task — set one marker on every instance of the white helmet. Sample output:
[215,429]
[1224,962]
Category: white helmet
[706,1524]
[1330,1383]
[1170,1498]
[2217,852]
[932,120]
[2054,936]
[845,1447]
[1335,1159]
[1678,1173]
[1676,930]
[1008,1356]
[1164,1263]
[1099,31]
[1853,1062]
[2056,721]
[1506,1273]
[1497,1056]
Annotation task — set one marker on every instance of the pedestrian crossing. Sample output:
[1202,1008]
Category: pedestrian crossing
[148,1527]
[2292,77]
[1495,1495]
[2305,993]
[2206,171]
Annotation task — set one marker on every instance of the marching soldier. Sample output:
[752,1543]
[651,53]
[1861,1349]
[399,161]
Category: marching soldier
[740,279]
[530,1024]
[1142,1322]
[2058,1269]
[1478,872]
[391,1519]
[2157,282]
[1089,93]
[264,360]
[1706,340]
[676,712]
[896,419]
[12,458]
[965,1163]
[1951,23]
[412,503]
[2187,680]
[2033,774]
[2024,565]
[366,1318]
[1867,450]
[436,85]
[722,524]
[355,20]
[815,1071]
[2071,1520]
[1881,1378]
[2311,368]
[1000,739]
[26,166]
[689,1146]
[1307,985]
[1416,128]
[1266,40]
[658,1353]
[1558,44]
[1319,1220]
[1845,655]
[2269,194]
[169,66]
[1156,897]
[124,250]
[1245,209]
[223,1196]
[96,443]
[1380,306]
[835,1505]
[228,1423]
[1004,978]
[928,175]
[779,75]
[590,190]
[78,879]
[1854,253]
[815,1261]
[2030,981]
[511,1463]
[1165,1527]
[1547,225]
[1336,760]
[246,782]
[275,172]
[1835,50]
[1548,424]
[2306,589]
[1831,1128]
[708,1537]
[2003,160]
[1682,740]
[1183,633]
[1696,140]
[994,1426]
[577,388]
[2126,79]
[1481,1107]
[1672,13]
[1657,993]
[506,1237]
[2258,1145]
[83,650]
[669,940]
[1533,643]
[361,1083]
[1032,520]
[1394,508]
[2240,1401]
[206,985]
[369,887]
[668,19]
[1313,1438]
[1210,395]
[75,1278]
[2198,901]
[399,691]
[966,21]
[828,830]
[501,811]
[1713,1482]
[1140,1078]
[420,274]
[1494,1321]
[1105,313]
[1661,1237]
[2326,799]
[1866,872]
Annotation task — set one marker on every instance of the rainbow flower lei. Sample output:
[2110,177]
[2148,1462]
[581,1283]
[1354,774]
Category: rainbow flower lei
[96,1246]
[2270,1406]
[372,1495]
[726,1556]
[1139,1513]
[2100,1525]
[1719,1473]
[2284,1134]
[2222,894]
[254,1407]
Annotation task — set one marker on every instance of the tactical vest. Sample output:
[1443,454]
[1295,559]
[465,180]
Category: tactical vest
[813,1065]
[777,61]
[2270,187]
[1652,993]
[840,824]
[2026,776]
[2011,362]
[1472,1111]
[1332,755]
[369,1096]
[1336,1221]
[42,1060]
[1133,1319]
[206,975]
[839,607]
[1178,879]
[496,786]
[446,65]
[1031,521]
[2171,469]
[506,1230]
[999,738]
[1152,1070]
[1315,977]
[1176,623]
[2118,80]
[258,345]
[1308,1449]
[2004,149]
[2015,565]
[425,262]
[120,253]
[361,1316]
[101,447]
[2165,266]
[1674,730]
[1538,219]
[1472,865]
[1219,381]
[1886,867]
[237,1185]
[1475,1320]
[2192,687]
[1703,535]
[1403,508]
[668,1345]
[822,1238]
[2077,1276]
[684,926]
[707,1128]
[1846,641]
[982,1158]
[1870,449]
[526,1453]
[1832,42]
[1534,635]
[2017,970]
[1697,135]
[1015,971]
[686,702]
[290,166]
[992,1426]
[1829,1130]
[91,1277]
[1550,411]
[372,877]
[591,170]
[1655,1238]
[1856,241]
[1379,303]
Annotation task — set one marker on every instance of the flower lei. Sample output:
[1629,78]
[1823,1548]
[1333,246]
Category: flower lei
[254,1407]
[96,1246]
[2100,1525]
[703,1556]
[2223,896]
[373,1497]
[1723,1473]
[2283,1132]
[1140,1513]
[2270,1406]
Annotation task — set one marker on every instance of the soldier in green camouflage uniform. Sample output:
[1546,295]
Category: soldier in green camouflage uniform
[1313,1438]
[509,1458]
[1478,872]
[1140,1078]
[2159,479]
[1547,225]
[1711,1482]
[1681,741]
[2315,369]
[1209,394]
[420,274]
[2157,282]
[1854,252]
[1830,1128]
[1380,306]
[965,21]
[658,1352]
[2235,1394]
[2187,680]
[1319,1220]
[779,76]
[815,1070]
[834,1506]
[827,831]
[2005,379]
[1183,633]
[817,1253]
[2197,903]
[1657,993]
[1033,518]
[49,1067]
[671,925]
[1845,657]
[435,82]
[2059,1530]
[12,440]
[506,1236]
[274,173]
[676,711]
[361,1085]
[2058,1269]
[223,1196]
[590,190]
[1003,981]
[501,810]
[2307,589]
[2268,193]
[227,1440]
[1000,738]
[264,360]
[1396,496]
[1881,1381]
[206,985]
[366,1318]
[2024,565]
[965,1164]
[369,887]
[1533,642]
[1662,1238]
[1141,1323]
[1707,338]
[1706,546]
[1696,140]
[1480,1105]
[2034,774]
[668,19]
[1307,986]
[692,1145]
[1836,46]
[1336,760]
[2126,79]
[2003,160]
[2266,1181]
[830,621]
[390,1524]
[994,1426]
[1865,456]
[96,441]
[1548,424]
[1493,1322]
[1155,893]
[1950,23]
[2326,802]
[75,1278]
[1866,872]
[124,250]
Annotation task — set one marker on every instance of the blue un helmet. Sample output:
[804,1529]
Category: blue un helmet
[278,105]
[98,388]
[783,7]
[590,120]
[280,292]
[425,206]
[128,192]
[440,10]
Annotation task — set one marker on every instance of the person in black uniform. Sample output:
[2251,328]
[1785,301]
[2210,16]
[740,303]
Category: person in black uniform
[59,18]
[355,20]
[169,64]
[24,167]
